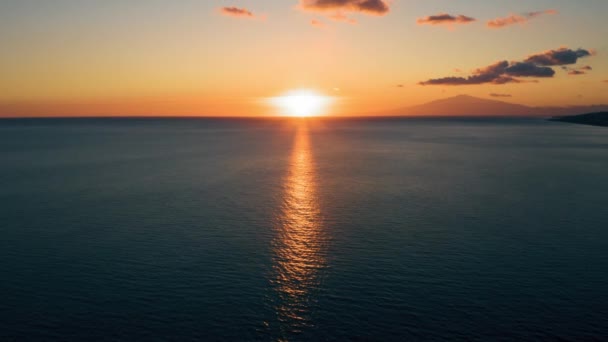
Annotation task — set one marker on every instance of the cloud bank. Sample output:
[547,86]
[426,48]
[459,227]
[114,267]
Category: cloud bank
[502,72]
[498,73]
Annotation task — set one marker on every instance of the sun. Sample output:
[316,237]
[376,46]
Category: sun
[302,103]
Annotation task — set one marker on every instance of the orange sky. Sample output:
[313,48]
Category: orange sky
[215,58]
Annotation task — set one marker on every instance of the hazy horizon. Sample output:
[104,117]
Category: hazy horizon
[445,107]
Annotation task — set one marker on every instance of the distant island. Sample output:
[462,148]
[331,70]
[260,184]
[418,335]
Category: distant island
[594,119]
[465,105]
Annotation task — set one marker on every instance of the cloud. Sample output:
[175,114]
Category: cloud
[372,7]
[510,20]
[317,23]
[561,56]
[343,18]
[526,69]
[538,65]
[517,18]
[575,72]
[539,13]
[498,73]
[500,95]
[580,71]
[236,12]
[445,19]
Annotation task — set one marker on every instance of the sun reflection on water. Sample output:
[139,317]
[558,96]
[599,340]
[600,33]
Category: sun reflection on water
[298,244]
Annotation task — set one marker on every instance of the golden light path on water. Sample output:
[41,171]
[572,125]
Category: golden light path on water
[299,241]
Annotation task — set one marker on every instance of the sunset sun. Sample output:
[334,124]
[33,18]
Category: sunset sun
[302,103]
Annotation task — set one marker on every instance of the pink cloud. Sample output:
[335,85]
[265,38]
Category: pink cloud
[236,12]
[517,19]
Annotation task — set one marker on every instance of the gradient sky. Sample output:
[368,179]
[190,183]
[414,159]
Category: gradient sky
[188,57]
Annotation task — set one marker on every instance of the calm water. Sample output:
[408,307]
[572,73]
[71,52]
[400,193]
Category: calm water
[122,229]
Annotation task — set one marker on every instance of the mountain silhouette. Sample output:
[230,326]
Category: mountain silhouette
[465,105]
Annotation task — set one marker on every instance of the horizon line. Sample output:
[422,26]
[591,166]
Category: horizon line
[415,116]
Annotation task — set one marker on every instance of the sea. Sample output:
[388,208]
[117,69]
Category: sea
[326,229]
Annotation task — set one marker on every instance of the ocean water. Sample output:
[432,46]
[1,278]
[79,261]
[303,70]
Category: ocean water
[300,230]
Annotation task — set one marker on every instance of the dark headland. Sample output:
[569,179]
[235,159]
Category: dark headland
[594,119]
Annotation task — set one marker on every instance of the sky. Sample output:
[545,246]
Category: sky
[229,58]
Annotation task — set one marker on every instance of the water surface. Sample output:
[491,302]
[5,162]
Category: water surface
[272,229]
